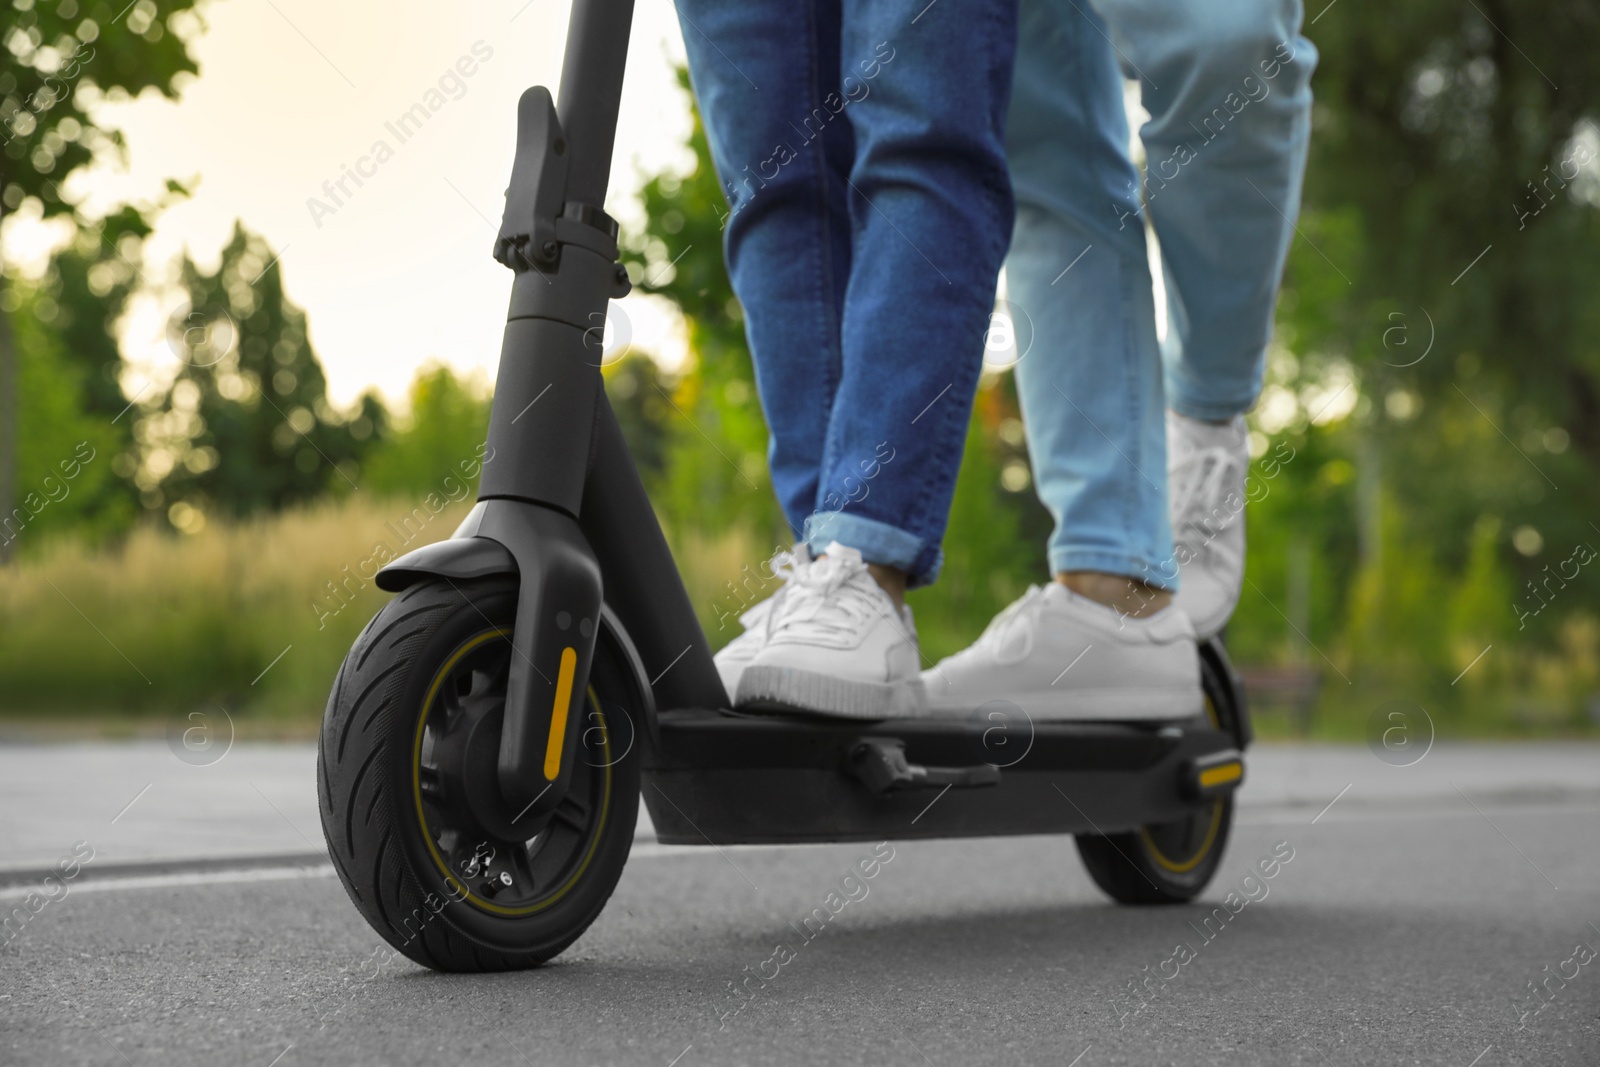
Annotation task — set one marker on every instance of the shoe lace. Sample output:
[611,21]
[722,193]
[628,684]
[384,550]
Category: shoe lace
[1199,481]
[784,566]
[824,597]
[788,563]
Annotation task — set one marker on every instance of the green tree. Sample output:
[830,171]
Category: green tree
[716,469]
[641,398]
[68,365]
[1450,209]
[1446,132]
[446,426]
[65,453]
[246,424]
[1445,258]
[59,60]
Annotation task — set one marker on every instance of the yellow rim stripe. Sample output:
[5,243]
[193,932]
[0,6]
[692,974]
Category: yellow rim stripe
[558,716]
[1227,772]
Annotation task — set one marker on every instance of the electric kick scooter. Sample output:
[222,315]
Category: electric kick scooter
[490,733]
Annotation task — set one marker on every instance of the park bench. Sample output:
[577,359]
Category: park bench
[1291,689]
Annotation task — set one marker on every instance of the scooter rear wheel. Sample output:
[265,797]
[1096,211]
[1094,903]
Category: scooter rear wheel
[406,760]
[1171,862]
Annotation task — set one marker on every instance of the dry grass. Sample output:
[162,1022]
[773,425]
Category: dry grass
[253,616]
[166,623]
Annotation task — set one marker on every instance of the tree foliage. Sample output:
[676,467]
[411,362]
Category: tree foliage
[677,254]
[441,436]
[246,425]
[61,58]
[1448,254]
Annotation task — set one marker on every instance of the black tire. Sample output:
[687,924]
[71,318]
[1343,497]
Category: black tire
[423,677]
[1173,862]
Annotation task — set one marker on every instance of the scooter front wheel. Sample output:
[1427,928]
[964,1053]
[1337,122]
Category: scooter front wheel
[406,770]
[1171,862]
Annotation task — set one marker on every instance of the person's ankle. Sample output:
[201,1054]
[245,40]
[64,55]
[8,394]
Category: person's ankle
[892,580]
[1128,597]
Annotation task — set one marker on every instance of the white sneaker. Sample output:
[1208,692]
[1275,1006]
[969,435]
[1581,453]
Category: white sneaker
[736,655]
[1062,657]
[1206,469]
[837,645]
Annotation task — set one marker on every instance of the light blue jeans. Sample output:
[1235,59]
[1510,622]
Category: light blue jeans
[1227,86]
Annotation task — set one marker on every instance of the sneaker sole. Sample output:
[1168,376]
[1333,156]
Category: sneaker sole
[1088,705]
[823,694]
[731,677]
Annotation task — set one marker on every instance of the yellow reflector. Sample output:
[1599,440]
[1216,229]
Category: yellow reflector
[558,716]
[1227,772]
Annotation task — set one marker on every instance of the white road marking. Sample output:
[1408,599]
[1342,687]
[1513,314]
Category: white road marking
[163,881]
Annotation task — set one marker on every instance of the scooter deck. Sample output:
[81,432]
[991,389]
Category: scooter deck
[722,777]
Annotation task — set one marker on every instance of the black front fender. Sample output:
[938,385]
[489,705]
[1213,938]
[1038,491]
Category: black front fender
[465,558]
[459,558]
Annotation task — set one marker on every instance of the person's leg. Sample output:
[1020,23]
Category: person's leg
[1228,91]
[1223,245]
[925,93]
[1229,95]
[1090,390]
[760,71]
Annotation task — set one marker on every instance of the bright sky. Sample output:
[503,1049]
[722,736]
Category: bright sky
[291,91]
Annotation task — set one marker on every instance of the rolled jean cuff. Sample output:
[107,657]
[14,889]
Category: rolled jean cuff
[1162,575]
[1209,411]
[878,542]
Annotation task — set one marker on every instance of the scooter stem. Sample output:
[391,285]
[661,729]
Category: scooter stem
[558,239]
[591,92]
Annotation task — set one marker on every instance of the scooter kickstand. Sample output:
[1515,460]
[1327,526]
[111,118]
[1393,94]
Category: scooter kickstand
[880,764]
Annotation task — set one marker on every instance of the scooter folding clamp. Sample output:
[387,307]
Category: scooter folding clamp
[539,218]
[535,197]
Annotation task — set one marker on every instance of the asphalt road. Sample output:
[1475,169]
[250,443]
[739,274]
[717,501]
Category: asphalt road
[1405,930]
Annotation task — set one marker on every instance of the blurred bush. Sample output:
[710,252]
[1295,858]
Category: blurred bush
[164,623]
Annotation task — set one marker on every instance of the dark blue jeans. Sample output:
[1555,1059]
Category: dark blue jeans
[861,146]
